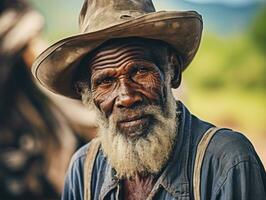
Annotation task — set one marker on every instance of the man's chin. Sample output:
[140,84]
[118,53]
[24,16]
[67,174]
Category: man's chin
[135,135]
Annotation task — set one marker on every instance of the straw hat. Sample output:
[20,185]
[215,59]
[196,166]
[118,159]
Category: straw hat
[107,19]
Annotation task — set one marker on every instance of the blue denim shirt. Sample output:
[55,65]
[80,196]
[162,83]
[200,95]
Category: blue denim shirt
[231,168]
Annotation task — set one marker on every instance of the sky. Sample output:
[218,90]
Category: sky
[227,2]
[223,17]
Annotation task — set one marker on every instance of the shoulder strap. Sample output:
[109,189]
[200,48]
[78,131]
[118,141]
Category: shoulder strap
[201,149]
[88,167]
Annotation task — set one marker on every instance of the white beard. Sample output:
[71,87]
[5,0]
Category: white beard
[144,155]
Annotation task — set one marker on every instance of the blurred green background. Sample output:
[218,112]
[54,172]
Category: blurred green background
[226,82]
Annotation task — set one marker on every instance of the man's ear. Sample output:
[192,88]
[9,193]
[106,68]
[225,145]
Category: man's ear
[175,70]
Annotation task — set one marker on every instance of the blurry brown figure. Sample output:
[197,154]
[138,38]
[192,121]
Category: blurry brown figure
[35,140]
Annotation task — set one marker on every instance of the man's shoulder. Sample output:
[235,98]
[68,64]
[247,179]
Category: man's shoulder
[229,151]
[229,158]
[231,146]
[225,144]
[227,147]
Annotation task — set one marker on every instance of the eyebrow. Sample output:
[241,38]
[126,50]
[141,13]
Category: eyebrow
[101,75]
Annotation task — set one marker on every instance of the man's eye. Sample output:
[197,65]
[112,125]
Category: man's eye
[105,81]
[142,70]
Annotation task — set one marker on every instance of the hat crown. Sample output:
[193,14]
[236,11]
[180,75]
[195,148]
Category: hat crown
[100,14]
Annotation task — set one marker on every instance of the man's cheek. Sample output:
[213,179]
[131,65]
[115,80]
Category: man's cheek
[104,101]
[152,88]
[151,94]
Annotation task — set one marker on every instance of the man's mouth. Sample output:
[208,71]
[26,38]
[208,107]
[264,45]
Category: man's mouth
[134,126]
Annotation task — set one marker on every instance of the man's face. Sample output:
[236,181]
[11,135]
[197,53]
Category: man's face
[124,80]
[131,93]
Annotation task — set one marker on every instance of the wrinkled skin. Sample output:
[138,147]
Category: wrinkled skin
[138,188]
[124,79]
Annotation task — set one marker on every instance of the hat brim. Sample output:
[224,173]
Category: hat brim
[55,67]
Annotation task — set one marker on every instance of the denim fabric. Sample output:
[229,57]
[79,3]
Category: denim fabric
[231,168]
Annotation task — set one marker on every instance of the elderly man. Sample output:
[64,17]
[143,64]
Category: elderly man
[123,66]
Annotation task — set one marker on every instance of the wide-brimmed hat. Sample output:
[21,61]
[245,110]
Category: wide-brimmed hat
[102,20]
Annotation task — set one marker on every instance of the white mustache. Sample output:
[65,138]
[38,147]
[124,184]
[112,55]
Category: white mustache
[138,112]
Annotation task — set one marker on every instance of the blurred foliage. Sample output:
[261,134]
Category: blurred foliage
[236,62]
[258,30]
[227,81]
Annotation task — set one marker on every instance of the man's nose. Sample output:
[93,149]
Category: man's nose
[127,96]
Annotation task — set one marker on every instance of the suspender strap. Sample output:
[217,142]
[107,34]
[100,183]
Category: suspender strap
[201,149]
[88,167]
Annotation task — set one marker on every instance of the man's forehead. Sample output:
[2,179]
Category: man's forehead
[119,49]
[117,54]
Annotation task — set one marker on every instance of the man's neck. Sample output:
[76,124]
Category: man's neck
[138,187]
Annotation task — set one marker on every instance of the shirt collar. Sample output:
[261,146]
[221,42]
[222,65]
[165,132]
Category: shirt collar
[110,181]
